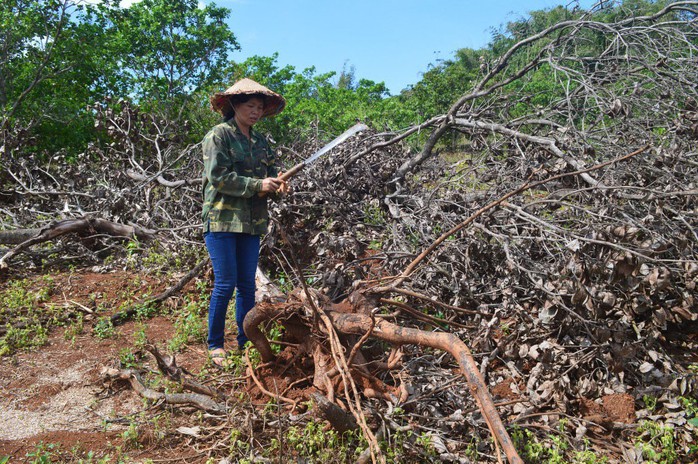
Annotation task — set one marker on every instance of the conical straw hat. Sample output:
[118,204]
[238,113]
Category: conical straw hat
[273,102]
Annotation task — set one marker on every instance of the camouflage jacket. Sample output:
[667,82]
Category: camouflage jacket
[234,167]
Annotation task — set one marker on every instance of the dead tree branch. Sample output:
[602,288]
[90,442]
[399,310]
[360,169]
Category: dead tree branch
[528,185]
[197,400]
[639,50]
[168,366]
[85,226]
[123,316]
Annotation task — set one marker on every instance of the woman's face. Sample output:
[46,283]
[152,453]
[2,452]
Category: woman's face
[249,112]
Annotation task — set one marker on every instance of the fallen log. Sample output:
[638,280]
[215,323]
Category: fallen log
[17,236]
[83,225]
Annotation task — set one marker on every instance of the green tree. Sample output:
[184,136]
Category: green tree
[58,57]
[170,48]
[51,67]
[315,104]
[347,78]
[29,32]
[442,83]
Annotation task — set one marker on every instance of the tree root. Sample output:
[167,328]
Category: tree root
[250,371]
[360,324]
[341,420]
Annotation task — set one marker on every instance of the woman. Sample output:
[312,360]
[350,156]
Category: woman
[239,172]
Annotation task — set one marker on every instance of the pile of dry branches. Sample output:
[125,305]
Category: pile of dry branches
[562,247]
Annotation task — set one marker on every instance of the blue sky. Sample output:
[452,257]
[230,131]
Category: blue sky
[391,41]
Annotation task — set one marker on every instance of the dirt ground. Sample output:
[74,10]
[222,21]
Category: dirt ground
[56,395]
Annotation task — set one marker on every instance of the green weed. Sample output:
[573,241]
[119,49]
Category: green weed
[16,338]
[650,402]
[76,327]
[159,425]
[659,131]
[424,440]
[190,326]
[472,452]
[104,328]
[145,310]
[394,447]
[29,314]
[132,249]
[46,453]
[690,405]
[127,359]
[274,333]
[657,442]
[237,364]
[42,454]
[130,436]
[314,441]
[155,261]
[588,457]
[140,338]
[237,446]
[529,447]
[375,245]
[374,215]
[284,282]
[554,451]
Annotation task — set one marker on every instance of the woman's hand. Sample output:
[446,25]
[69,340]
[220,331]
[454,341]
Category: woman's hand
[273,185]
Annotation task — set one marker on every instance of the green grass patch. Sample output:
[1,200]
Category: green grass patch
[25,314]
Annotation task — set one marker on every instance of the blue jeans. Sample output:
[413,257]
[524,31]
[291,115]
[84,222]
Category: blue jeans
[234,257]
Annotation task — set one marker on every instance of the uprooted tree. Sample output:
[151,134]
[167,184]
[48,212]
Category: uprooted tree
[547,222]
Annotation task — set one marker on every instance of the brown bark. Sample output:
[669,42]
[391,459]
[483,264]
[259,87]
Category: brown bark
[251,324]
[82,225]
[341,420]
[193,399]
[17,236]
